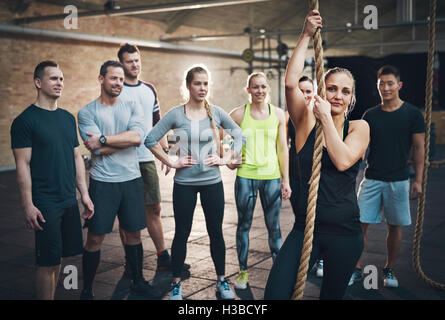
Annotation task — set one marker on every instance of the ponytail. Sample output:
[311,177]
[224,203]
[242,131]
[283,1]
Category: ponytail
[216,135]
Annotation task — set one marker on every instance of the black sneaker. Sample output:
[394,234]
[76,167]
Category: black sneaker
[86,295]
[142,287]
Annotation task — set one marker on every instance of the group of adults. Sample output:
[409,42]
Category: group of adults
[124,132]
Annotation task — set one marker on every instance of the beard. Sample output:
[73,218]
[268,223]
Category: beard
[132,75]
[113,91]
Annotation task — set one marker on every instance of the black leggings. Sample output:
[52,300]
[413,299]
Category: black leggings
[184,203]
[340,254]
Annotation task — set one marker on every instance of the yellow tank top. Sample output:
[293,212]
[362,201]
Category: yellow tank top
[260,150]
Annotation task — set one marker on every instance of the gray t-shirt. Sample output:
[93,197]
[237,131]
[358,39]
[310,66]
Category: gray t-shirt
[195,138]
[99,119]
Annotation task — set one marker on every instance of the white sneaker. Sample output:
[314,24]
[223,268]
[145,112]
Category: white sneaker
[389,279]
[222,286]
[241,280]
[176,291]
[319,272]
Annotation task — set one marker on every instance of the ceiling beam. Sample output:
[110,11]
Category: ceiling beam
[275,22]
[143,10]
[298,31]
[179,19]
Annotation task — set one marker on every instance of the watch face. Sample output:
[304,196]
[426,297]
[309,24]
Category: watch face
[102,139]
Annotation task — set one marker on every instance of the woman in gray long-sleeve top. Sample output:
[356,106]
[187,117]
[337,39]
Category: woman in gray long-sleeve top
[197,125]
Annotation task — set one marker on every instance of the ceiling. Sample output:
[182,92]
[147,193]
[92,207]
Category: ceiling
[284,18]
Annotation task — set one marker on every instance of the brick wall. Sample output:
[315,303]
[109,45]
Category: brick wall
[80,62]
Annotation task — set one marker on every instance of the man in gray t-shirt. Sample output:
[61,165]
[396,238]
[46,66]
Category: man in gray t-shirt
[112,128]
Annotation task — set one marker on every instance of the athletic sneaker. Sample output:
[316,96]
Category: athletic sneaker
[222,286]
[142,287]
[241,280]
[357,276]
[176,291]
[86,295]
[389,279]
[319,272]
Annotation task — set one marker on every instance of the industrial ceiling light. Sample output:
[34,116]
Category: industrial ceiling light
[111,5]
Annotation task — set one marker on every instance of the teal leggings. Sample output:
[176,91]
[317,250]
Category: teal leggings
[246,191]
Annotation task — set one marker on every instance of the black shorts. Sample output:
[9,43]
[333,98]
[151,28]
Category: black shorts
[61,235]
[124,199]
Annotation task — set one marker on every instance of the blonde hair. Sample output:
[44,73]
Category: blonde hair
[189,76]
[254,75]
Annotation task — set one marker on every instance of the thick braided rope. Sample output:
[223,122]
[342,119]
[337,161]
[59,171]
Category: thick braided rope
[428,104]
[316,169]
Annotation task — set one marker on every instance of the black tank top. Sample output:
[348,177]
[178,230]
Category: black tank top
[337,208]
[293,165]
[291,134]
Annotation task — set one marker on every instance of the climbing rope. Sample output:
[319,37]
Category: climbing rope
[428,104]
[316,168]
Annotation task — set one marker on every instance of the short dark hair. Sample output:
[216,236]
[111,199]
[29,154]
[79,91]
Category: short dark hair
[109,63]
[305,78]
[39,71]
[126,48]
[388,69]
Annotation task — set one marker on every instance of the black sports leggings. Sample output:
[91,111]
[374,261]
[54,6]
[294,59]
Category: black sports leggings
[184,203]
[340,254]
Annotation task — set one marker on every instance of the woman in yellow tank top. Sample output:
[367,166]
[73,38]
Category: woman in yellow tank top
[264,169]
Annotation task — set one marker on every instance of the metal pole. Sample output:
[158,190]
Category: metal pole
[57,34]
[143,9]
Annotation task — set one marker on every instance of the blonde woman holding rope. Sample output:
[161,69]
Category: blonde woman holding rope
[197,125]
[337,233]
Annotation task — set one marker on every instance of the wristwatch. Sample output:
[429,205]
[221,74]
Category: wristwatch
[102,140]
[166,150]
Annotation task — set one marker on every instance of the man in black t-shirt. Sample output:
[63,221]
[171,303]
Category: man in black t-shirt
[395,127]
[49,164]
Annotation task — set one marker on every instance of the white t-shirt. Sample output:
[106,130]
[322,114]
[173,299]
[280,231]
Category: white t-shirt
[144,94]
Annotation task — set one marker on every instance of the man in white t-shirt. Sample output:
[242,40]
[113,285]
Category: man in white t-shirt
[145,94]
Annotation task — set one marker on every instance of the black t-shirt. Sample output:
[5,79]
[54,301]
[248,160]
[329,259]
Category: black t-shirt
[391,139]
[52,136]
